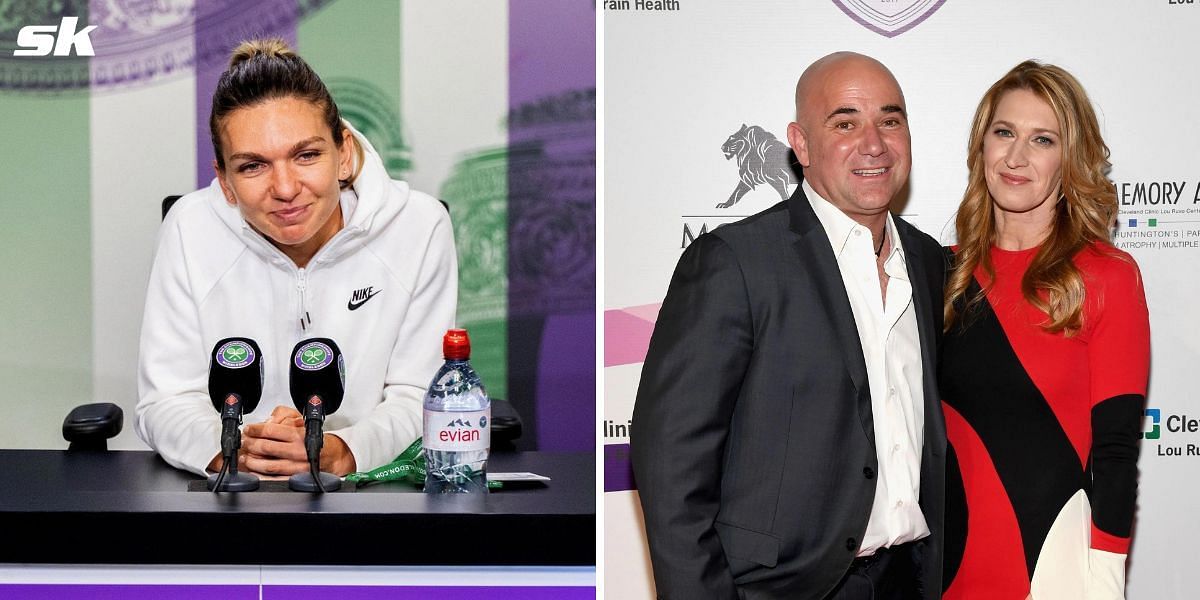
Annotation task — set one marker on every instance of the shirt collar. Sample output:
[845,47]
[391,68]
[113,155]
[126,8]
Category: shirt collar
[839,227]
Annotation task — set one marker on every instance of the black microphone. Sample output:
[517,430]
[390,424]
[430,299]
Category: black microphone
[235,382]
[317,384]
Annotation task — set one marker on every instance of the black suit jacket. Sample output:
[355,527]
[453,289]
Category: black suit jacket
[752,439]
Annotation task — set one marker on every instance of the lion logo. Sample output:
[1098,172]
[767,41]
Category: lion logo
[761,159]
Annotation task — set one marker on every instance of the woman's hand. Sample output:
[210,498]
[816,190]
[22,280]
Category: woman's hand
[275,447]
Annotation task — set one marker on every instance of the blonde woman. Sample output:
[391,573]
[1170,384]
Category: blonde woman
[1045,361]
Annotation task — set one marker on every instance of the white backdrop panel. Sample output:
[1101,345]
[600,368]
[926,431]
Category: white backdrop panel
[127,186]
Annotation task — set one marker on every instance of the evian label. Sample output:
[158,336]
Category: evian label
[458,431]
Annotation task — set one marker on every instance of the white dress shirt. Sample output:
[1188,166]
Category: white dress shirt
[891,348]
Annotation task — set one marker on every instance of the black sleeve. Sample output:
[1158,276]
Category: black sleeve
[691,379]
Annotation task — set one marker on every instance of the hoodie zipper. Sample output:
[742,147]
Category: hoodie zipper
[304,319]
[302,288]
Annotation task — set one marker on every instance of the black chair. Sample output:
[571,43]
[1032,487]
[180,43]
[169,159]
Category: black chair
[90,426]
[506,425]
[167,203]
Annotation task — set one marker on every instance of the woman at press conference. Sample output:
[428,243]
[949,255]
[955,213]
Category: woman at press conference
[301,234]
[1046,354]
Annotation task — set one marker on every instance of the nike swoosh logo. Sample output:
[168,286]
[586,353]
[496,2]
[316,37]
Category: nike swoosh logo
[352,305]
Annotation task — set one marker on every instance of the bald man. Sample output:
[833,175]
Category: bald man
[787,439]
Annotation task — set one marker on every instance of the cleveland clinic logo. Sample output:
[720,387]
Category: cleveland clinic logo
[1155,431]
[1154,424]
[889,18]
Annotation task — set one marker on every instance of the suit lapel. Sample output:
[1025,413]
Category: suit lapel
[923,306]
[922,303]
[820,264]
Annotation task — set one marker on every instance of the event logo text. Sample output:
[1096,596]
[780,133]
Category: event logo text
[1172,424]
[660,5]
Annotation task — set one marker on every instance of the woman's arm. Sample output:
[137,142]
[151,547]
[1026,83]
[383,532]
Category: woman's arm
[1119,362]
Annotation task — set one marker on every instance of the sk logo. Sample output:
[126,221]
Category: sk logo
[39,40]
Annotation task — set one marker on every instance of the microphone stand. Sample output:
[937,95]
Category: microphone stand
[228,479]
[315,480]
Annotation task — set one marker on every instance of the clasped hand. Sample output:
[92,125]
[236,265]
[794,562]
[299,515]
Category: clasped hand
[275,448]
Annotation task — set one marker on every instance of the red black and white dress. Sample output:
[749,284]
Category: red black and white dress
[1041,476]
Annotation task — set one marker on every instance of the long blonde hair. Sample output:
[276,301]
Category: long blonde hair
[1085,213]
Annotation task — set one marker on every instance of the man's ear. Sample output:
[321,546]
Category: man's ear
[798,140]
[225,189]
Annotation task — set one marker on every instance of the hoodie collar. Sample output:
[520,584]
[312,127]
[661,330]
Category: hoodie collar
[361,203]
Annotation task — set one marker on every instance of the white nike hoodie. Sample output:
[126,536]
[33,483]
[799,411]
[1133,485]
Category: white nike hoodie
[384,288]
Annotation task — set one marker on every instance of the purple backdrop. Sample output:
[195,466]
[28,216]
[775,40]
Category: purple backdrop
[288,592]
[219,27]
[421,593]
[126,592]
[552,220]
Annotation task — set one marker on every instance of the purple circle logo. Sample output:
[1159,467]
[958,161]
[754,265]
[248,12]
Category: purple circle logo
[313,356]
[235,355]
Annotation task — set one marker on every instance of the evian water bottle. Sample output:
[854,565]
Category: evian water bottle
[458,418]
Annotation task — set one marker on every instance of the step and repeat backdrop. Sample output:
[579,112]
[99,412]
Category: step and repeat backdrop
[489,106]
[104,108]
[686,82]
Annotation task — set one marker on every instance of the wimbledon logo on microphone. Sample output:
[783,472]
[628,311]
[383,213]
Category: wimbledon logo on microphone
[313,356]
[234,355]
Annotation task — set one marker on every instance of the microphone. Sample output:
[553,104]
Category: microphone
[317,383]
[235,382]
